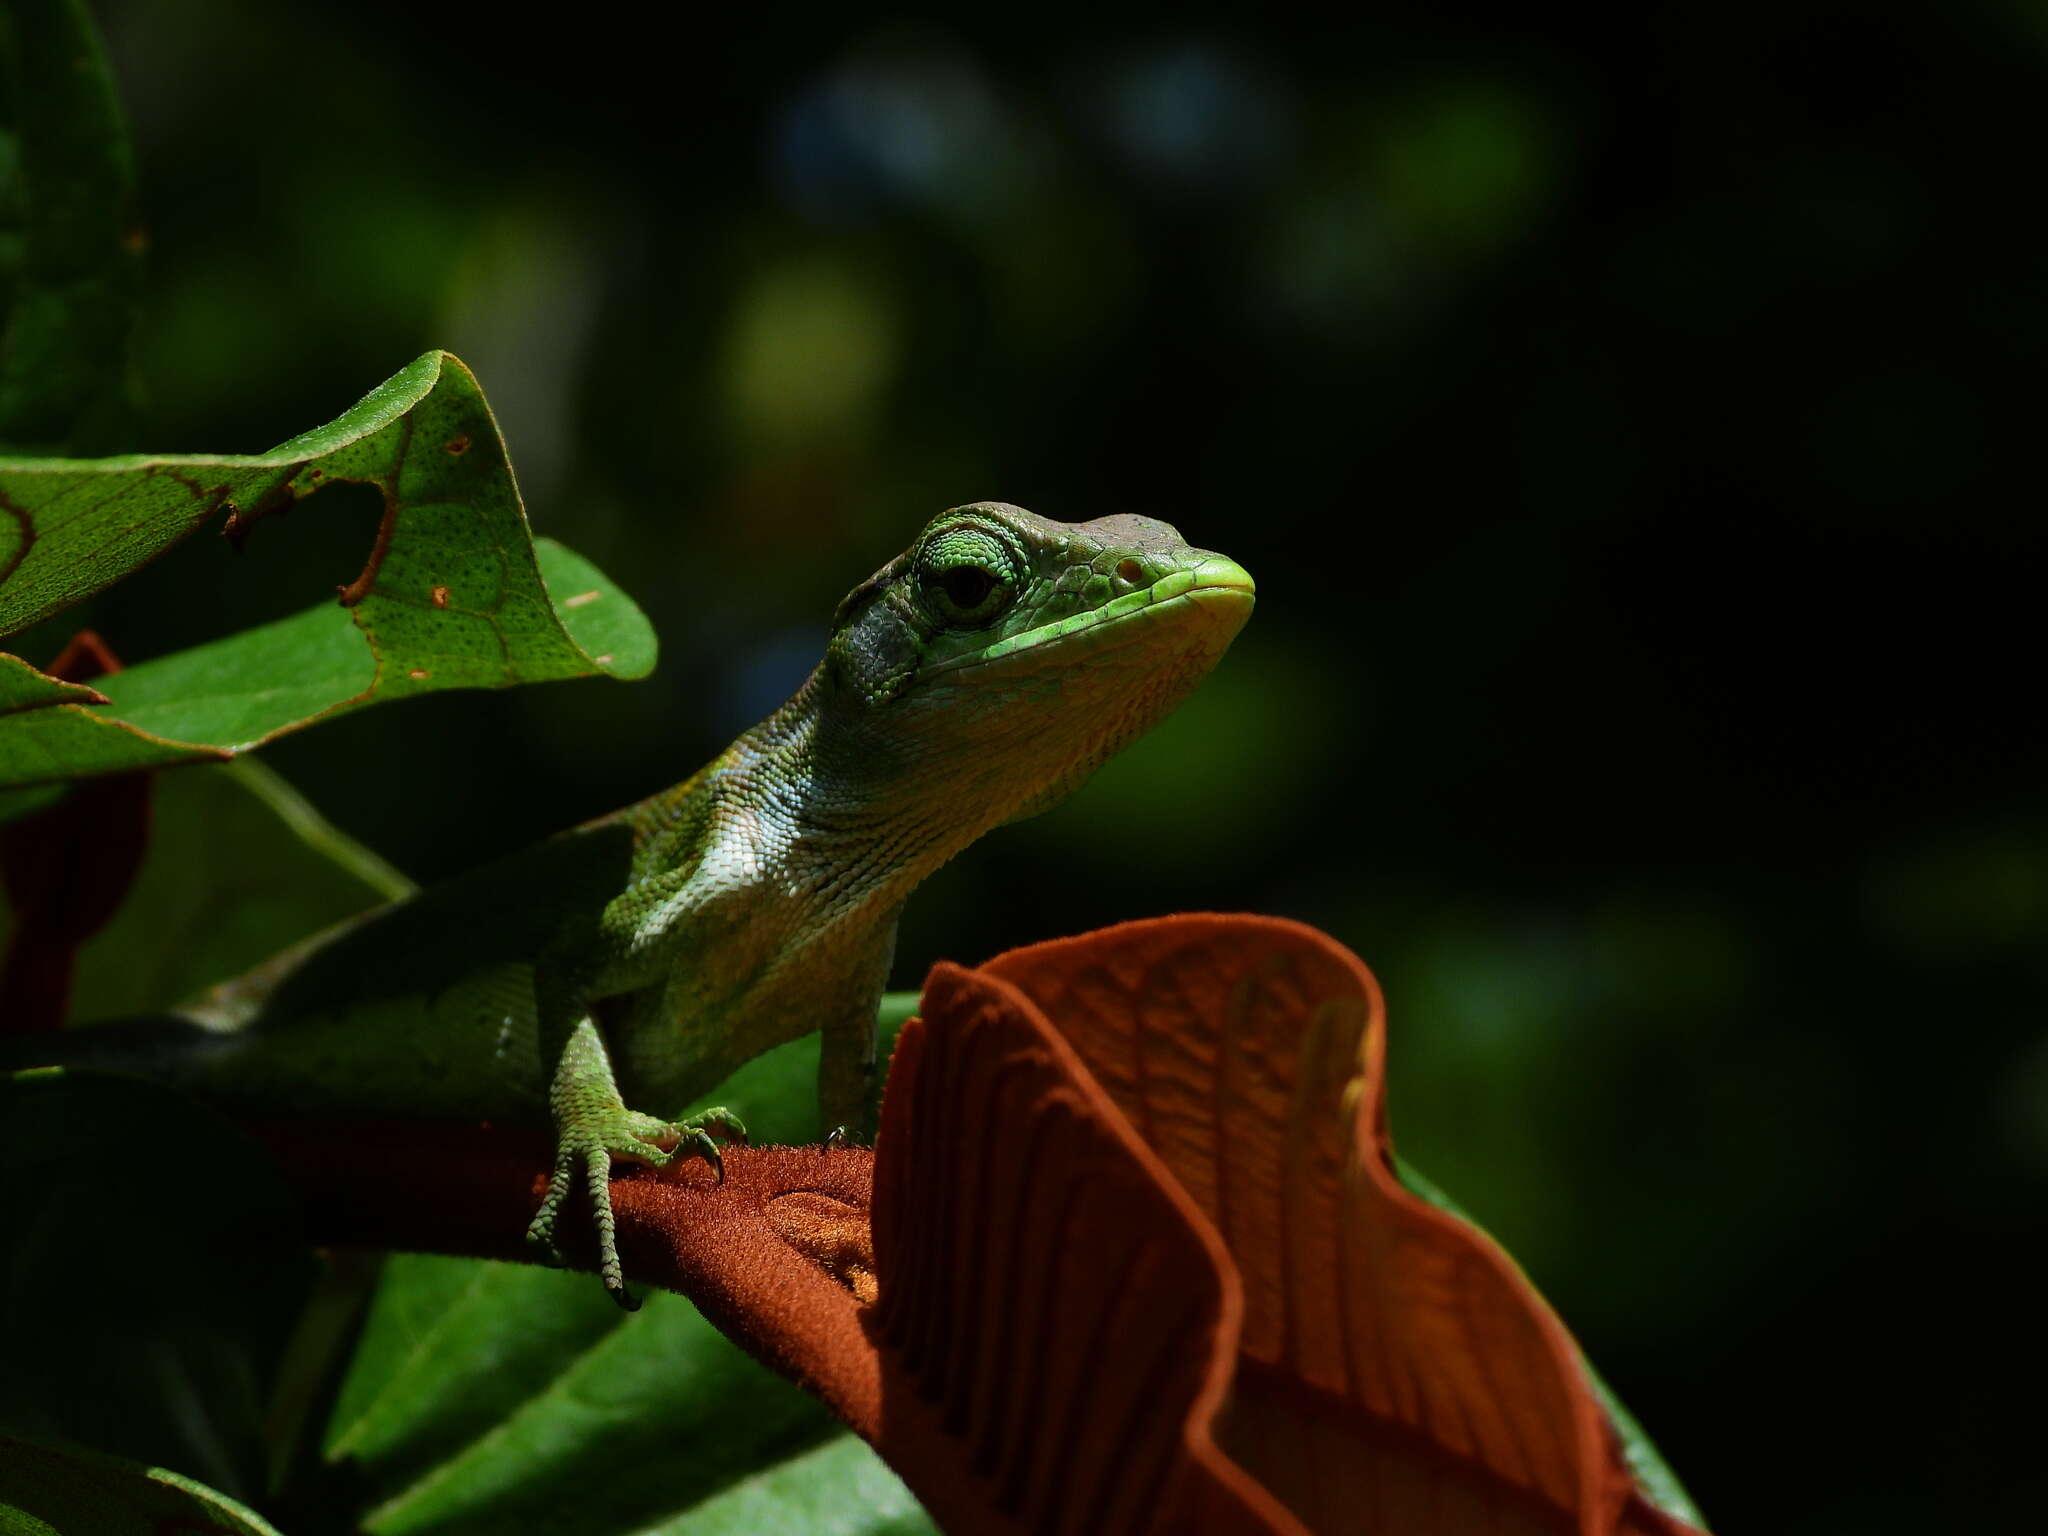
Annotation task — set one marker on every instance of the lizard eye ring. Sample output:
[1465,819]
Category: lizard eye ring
[966,577]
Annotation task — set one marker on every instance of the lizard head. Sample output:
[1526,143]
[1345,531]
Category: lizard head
[1004,656]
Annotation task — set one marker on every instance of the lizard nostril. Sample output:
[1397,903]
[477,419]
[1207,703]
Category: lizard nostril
[1130,571]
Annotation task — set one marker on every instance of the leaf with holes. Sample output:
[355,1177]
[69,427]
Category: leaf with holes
[454,593]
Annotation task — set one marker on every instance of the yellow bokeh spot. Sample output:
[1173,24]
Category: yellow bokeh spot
[810,349]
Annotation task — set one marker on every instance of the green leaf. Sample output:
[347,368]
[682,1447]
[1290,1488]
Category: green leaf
[51,1489]
[70,262]
[602,622]
[455,593]
[840,1489]
[239,867]
[16,803]
[481,1390]
[23,687]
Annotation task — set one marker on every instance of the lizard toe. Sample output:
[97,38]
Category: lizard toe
[722,1123]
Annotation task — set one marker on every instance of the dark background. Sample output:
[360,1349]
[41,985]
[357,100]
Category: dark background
[1633,428]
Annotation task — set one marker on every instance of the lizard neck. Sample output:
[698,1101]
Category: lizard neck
[823,805]
[841,801]
[799,812]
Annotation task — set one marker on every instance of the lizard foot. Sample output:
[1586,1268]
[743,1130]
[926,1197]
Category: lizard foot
[594,1135]
[722,1123]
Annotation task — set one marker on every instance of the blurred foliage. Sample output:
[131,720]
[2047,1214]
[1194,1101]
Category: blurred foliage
[1626,422]
[238,867]
[172,1371]
[70,257]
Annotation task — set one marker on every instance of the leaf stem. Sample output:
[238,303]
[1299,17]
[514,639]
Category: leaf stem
[317,832]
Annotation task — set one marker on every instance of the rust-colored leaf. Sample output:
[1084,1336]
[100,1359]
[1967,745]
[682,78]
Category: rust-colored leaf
[1397,1372]
[1057,1323]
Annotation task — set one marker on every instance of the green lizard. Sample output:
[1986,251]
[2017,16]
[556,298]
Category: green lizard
[977,678]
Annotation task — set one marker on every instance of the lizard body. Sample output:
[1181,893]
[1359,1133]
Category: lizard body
[977,678]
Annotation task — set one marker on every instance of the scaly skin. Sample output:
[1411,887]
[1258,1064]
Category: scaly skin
[977,678]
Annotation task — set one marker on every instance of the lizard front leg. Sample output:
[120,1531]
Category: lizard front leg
[849,1085]
[849,1077]
[593,1126]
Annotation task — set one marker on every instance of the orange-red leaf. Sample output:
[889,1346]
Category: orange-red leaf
[1398,1373]
[1057,1322]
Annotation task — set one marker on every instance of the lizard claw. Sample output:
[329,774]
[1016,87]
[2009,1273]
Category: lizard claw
[699,1143]
[540,1233]
[627,1301]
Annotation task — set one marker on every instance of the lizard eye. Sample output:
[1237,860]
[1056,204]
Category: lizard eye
[967,586]
[966,578]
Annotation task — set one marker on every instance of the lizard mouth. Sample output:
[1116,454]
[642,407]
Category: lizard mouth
[1218,590]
